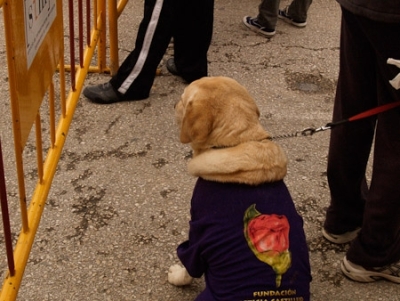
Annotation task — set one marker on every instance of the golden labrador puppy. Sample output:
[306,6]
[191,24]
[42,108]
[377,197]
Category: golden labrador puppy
[245,235]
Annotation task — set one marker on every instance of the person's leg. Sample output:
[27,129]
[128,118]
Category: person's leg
[298,9]
[268,13]
[136,74]
[378,243]
[350,143]
[192,38]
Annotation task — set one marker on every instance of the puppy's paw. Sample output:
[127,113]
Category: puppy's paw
[178,275]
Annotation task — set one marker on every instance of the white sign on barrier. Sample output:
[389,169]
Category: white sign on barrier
[39,16]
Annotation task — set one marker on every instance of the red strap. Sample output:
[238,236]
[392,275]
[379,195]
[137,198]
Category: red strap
[375,111]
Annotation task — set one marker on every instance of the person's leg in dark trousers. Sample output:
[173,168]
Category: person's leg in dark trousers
[268,13]
[350,143]
[192,37]
[298,9]
[136,74]
[361,86]
[378,243]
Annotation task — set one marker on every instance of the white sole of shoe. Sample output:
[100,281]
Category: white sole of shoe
[287,20]
[342,238]
[361,275]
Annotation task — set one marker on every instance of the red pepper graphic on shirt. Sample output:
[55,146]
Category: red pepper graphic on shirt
[268,238]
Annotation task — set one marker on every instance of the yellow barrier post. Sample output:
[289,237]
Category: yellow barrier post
[18,148]
[113,33]
[101,47]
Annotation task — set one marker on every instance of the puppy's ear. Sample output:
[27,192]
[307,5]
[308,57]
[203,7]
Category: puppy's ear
[196,123]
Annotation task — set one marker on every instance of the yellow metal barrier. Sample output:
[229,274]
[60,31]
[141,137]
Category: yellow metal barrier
[28,47]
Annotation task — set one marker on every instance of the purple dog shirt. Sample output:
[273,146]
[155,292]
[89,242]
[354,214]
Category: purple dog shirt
[249,243]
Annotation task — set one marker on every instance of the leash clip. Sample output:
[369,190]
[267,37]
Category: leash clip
[323,128]
[308,132]
[312,131]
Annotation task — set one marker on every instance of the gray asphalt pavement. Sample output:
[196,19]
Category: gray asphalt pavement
[119,205]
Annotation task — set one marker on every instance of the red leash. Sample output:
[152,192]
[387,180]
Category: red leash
[368,113]
[371,112]
[375,111]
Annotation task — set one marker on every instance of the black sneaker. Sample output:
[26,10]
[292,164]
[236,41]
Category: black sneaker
[171,67]
[283,14]
[253,24]
[105,94]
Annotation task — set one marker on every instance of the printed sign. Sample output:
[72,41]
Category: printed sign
[39,16]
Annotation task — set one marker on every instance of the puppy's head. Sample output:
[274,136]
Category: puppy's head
[217,112]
